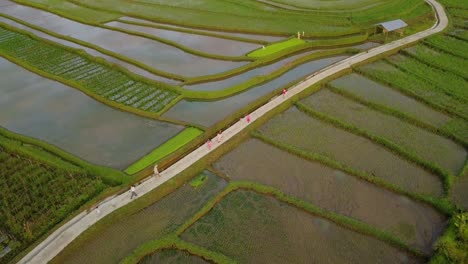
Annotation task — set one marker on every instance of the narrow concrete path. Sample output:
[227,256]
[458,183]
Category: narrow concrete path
[63,236]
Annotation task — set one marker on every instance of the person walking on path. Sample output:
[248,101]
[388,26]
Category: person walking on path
[209,144]
[284,92]
[219,137]
[156,171]
[133,191]
[248,118]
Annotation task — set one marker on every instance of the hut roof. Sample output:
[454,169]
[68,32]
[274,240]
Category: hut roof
[393,25]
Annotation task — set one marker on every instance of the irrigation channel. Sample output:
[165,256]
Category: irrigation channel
[64,235]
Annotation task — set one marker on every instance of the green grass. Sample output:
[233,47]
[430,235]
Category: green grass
[452,247]
[276,47]
[198,181]
[165,149]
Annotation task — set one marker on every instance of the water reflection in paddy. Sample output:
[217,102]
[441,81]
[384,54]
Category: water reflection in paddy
[150,52]
[208,113]
[47,110]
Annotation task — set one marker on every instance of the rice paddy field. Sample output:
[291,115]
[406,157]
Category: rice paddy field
[367,167]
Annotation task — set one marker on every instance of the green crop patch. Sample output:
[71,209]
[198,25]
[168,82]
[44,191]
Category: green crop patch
[276,47]
[77,69]
[165,149]
[439,59]
[450,45]
[414,86]
[198,181]
[50,191]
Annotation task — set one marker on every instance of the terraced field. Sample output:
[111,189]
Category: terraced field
[368,167]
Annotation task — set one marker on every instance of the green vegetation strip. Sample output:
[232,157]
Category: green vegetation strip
[452,247]
[445,131]
[173,242]
[444,205]
[449,45]
[97,48]
[395,148]
[165,149]
[440,60]
[105,82]
[341,220]
[276,47]
[257,80]
[447,82]
[312,45]
[415,87]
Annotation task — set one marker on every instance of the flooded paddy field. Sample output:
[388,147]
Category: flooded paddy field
[208,113]
[92,52]
[441,150]
[309,134]
[147,51]
[242,35]
[252,228]
[172,256]
[416,223]
[203,43]
[118,240]
[71,120]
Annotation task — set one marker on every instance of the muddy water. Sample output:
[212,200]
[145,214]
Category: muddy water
[296,128]
[92,52]
[375,92]
[67,118]
[203,43]
[125,234]
[425,144]
[152,53]
[416,223]
[208,113]
[252,228]
[242,35]
[172,256]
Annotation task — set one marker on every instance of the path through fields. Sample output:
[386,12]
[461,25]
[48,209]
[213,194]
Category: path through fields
[64,235]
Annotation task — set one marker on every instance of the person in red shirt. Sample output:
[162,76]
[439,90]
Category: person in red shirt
[284,92]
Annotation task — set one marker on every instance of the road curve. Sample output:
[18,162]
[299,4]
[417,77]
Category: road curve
[64,235]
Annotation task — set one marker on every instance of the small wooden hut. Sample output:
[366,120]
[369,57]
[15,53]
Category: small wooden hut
[397,26]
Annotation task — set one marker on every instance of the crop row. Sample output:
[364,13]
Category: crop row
[97,78]
[414,86]
[450,45]
[48,195]
[447,82]
[439,60]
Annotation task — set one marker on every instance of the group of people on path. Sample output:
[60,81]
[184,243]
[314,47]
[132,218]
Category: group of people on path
[209,145]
